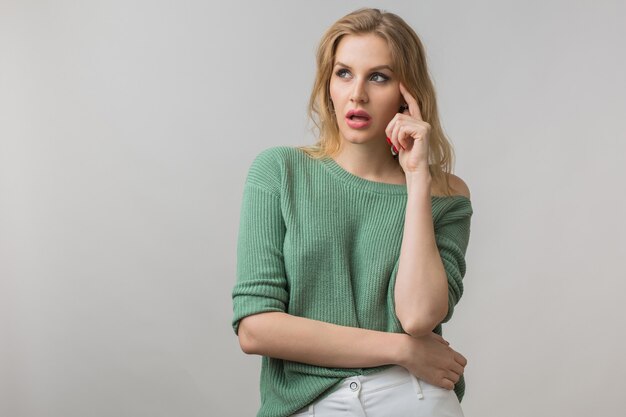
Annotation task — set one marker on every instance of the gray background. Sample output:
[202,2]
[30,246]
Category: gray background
[127,128]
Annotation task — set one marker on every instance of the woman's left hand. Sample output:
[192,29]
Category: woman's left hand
[410,134]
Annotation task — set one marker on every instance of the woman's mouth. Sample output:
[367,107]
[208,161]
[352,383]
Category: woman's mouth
[358,119]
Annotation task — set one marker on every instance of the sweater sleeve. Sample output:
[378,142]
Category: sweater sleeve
[452,236]
[261,284]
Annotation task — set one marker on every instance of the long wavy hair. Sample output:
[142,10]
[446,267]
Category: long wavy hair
[409,63]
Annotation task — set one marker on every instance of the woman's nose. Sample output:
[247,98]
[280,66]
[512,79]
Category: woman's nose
[358,93]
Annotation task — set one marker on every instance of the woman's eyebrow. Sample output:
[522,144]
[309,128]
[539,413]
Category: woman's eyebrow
[371,69]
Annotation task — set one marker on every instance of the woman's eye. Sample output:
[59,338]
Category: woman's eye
[377,76]
[381,77]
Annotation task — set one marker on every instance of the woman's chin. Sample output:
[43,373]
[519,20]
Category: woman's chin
[360,140]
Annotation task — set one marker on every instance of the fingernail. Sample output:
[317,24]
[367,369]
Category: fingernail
[389,141]
[394,148]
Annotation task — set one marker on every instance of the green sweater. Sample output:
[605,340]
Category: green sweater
[316,241]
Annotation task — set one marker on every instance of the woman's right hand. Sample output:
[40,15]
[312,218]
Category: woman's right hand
[431,358]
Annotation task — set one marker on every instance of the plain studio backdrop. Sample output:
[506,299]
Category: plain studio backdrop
[126,132]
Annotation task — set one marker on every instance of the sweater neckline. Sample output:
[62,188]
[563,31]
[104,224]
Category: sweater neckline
[379,187]
[359,182]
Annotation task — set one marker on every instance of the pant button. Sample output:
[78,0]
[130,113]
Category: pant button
[354,386]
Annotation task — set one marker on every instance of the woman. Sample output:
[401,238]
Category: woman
[351,252]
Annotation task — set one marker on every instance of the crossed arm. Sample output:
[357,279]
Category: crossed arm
[281,335]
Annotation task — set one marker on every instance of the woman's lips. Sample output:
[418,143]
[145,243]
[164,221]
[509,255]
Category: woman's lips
[358,122]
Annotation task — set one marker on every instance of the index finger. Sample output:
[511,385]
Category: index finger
[414,108]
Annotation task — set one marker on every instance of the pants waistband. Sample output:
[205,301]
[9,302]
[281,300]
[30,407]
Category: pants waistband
[395,375]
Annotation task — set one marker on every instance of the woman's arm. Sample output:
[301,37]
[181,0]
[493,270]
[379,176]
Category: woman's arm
[421,289]
[299,339]
[421,294]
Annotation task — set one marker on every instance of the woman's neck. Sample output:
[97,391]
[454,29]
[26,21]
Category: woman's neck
[371,164]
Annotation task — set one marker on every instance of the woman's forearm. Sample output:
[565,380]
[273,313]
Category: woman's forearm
[284,336]
[421,289]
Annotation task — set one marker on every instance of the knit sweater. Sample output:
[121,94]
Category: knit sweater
[317,241]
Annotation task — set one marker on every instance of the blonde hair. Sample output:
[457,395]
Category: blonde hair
[409,63]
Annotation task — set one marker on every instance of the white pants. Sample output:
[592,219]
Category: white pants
[392,392]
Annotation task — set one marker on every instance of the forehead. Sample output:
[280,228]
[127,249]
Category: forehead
[368,49]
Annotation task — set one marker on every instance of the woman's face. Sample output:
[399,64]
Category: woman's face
[362,79]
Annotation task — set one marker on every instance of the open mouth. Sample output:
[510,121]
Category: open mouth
[359,118]
[358,122]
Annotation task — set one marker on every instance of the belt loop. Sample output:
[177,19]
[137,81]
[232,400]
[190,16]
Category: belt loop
[417,386]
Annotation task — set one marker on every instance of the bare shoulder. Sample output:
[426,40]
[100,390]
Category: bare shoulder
[459,187]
